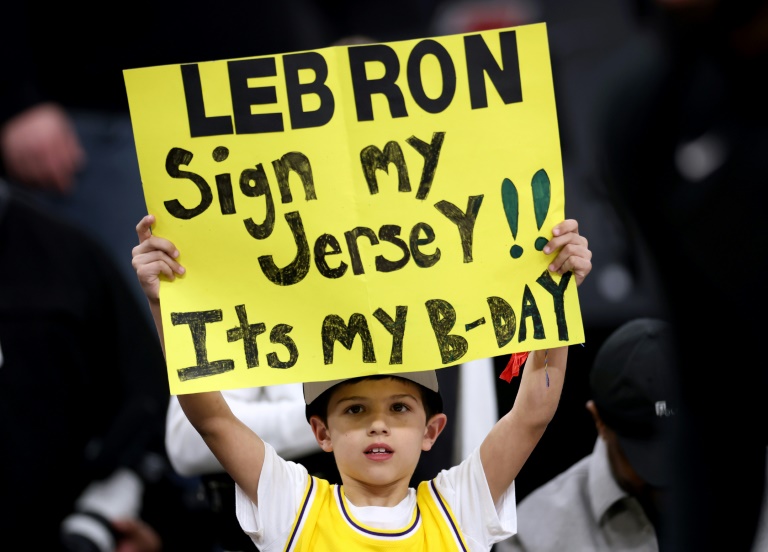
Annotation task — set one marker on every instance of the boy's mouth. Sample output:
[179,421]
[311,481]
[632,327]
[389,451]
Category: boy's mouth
[378,449]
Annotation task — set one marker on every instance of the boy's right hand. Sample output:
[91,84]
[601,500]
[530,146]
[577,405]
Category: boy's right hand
[152,257]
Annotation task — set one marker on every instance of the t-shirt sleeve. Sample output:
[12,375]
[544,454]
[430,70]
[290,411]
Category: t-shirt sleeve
[281,490]
[466,490]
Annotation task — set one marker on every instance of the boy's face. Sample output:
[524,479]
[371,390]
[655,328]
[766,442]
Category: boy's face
[377,430]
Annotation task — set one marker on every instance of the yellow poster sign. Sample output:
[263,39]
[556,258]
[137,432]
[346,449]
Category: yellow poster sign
[356,210]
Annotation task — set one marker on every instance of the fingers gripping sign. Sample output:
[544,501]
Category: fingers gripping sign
[152,257]
[573,251]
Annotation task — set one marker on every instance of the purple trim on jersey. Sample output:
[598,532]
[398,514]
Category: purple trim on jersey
[376,533]
[448,516]
[301,513]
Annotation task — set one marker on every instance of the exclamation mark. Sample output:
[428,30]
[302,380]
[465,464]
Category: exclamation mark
[541,197]
[511,203]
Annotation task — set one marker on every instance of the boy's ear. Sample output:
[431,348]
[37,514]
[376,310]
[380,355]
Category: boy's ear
[435,426]
[322,435]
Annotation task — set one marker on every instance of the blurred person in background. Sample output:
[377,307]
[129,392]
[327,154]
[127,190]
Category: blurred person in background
[81,403]
[614,498]
[682,136]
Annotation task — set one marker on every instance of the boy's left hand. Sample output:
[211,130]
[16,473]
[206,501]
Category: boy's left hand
[573,251]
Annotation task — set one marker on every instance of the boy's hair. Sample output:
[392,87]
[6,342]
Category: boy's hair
[318,394]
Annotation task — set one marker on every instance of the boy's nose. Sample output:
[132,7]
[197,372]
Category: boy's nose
[378,425]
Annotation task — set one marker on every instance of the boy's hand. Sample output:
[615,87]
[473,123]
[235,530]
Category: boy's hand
[574,253]
[152,257]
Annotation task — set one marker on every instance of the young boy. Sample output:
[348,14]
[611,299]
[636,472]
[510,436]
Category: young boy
[376,427]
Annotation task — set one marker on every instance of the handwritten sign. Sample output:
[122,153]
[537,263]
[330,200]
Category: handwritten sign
[356,210]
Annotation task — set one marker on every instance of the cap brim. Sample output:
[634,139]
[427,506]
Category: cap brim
[427,378]
[649,458]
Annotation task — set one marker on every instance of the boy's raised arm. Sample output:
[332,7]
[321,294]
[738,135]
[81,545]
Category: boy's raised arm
[511,441]
[235,445]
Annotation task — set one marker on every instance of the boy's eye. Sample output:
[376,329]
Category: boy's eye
[354,409]
[400,407]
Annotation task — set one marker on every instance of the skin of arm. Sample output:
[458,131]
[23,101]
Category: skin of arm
[239,450]
[513,438]
[275,413]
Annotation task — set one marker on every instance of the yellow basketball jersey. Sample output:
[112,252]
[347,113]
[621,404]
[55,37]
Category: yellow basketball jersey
[325,524]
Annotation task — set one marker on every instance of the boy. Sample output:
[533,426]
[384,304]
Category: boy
[376,427]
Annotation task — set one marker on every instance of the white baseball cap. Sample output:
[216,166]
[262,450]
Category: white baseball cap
[427,378]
